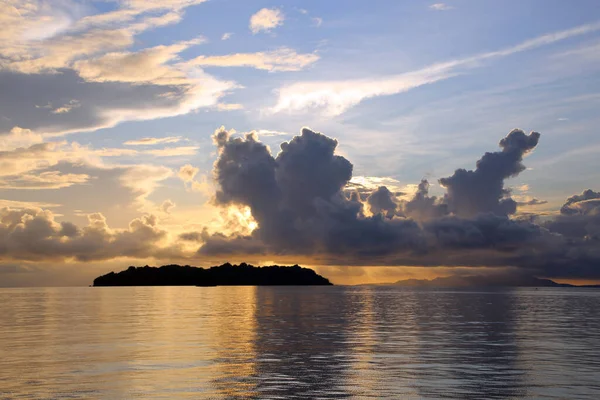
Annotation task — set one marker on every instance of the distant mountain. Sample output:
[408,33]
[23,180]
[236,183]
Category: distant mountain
[223,275]
[483,281]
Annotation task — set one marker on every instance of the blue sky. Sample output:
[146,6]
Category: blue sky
[410,89]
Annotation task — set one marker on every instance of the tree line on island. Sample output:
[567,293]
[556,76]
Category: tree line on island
[223,275]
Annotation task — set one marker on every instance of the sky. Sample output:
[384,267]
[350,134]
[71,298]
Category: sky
[372,141]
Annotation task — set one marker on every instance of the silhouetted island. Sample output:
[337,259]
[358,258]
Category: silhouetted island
[225,275]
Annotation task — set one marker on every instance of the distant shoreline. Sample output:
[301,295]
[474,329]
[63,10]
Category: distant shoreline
[482,282]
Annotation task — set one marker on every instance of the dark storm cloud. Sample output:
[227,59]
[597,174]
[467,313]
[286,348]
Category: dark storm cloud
[303,205]
[587,202]
[297,198]
[482,190]
[63,101]
[579,217]
[423,207]
[382,201]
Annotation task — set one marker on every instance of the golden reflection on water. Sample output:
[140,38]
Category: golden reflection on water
[293,342]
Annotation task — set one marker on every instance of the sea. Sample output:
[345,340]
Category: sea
[339,342]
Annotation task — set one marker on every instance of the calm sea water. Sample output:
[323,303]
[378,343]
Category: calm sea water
[318,342]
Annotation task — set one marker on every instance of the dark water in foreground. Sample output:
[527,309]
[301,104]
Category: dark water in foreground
[319,342]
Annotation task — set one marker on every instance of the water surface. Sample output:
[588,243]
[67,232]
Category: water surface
[299,342]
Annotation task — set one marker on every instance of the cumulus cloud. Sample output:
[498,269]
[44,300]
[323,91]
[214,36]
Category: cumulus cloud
[579,217]
[34,234]
[301,207]
[382,201]
[584,203]
[283,59]
[423,207]
[266,20]
[187,173]
[482,190]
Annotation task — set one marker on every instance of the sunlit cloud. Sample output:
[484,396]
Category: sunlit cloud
[150,141]
[283,59]
[336,97]
[187,173]
[229,106]
[266,20]
[173,151]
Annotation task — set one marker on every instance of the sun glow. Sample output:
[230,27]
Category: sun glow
[235,220]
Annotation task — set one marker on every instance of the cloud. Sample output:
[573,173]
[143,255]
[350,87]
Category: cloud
[43,180]
[269,132]
[283,59]
[440,7]
[336,97]
[301,208]
[229,106]
[67,107]
[226,36]
[19,137]
[532,202]
[382,201]
[173,151]
[187,173]
[581,203]
[15,204]
[147,65]
[317,21]
[298,205]
[266,20]
[101,104]
[64,72]
[150,141]
[143,179]
[167,206]
[423,207]
[35,235]
[482,190]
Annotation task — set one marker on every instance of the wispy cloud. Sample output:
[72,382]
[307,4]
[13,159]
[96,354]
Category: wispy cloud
[266,20]
[173,151]
[440,7]
[67,107]
[229,106]
[149,141]
[226,36]
[283,59]
[335,97]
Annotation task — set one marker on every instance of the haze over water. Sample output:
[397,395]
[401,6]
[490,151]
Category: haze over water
[283,342]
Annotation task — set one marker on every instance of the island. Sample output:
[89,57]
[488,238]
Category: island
[223,275]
